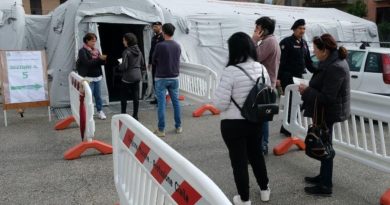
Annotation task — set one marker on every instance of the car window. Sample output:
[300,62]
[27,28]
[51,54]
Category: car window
[355,60]
[373,63]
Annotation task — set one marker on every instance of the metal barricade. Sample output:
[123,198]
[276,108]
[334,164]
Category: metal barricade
[148,171]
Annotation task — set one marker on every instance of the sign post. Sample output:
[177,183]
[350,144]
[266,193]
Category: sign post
[24,80]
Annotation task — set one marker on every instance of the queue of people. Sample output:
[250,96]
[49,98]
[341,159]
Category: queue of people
[258,56]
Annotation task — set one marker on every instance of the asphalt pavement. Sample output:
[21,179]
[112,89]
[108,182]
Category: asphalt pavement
[33,171]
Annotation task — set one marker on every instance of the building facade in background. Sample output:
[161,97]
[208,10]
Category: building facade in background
[378,10]
[40,6]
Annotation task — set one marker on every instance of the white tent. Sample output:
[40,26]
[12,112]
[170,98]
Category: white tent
[203,28]
[12,25]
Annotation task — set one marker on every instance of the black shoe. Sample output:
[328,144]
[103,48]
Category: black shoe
[265,149]
[153,102]
[313,180]
[285,132]
[319,190]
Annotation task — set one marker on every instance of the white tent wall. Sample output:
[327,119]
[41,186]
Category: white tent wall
[203,28]
[37,31]
[12,25]
[64,43]
[211,22]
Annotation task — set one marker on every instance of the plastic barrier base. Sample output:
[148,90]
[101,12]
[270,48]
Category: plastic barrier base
[181,98]
[385,199]
[285,145]
[207,107]
[76,151]
[64,123]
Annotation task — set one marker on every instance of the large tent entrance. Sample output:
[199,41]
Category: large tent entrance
[111,36]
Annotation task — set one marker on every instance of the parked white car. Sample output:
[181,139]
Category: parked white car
[369,68]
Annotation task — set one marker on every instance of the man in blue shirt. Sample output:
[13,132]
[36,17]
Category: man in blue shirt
[166,57]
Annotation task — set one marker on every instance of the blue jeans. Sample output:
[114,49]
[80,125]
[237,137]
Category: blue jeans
[265,132]
[95,88]
[172,85]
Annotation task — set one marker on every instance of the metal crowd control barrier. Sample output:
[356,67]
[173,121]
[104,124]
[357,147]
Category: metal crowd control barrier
[148,171]
[82,113]
[198,83]
[364,137]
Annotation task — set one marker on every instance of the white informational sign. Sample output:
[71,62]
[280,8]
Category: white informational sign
[25,76]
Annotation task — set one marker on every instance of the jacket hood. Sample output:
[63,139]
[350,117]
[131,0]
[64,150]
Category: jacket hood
[333,56]
[134,50]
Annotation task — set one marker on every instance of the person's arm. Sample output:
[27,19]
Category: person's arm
[155,55]
[333,80]
[223,93]
[89,62]
[125,62]
[309,63]
[151,52]
[263,51]
[284,48]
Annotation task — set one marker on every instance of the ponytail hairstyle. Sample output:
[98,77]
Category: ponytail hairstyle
[327,42]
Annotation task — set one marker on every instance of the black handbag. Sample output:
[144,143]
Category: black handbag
[318,140]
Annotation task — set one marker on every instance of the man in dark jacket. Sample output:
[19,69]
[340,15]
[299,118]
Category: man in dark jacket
[294,59]
[157,38]
[167,60]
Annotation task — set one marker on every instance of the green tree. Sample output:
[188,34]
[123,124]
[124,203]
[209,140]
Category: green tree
[358,9]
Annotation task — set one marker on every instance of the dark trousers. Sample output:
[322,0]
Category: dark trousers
[130,90]
[243,140]
[326,170]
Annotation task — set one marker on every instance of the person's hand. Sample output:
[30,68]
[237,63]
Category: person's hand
[149,67]
[302,88]
[257,35]
[103,57]
[278,83]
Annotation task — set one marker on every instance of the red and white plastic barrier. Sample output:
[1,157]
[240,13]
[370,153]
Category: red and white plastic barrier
[361,138]
[82,113]
[148,171]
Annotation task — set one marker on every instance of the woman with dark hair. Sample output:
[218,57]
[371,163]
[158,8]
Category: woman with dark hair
[89,66]
[329,93]
[243,146]
[132,61]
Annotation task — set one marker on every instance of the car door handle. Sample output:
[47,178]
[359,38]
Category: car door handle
[354,76]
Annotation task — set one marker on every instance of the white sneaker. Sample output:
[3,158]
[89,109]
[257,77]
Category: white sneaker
[101,115]
[179,130]
[265,194]
[237,201]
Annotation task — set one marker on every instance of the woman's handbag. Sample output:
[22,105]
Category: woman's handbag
[318,140]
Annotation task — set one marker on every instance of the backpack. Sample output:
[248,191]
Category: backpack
[260,104]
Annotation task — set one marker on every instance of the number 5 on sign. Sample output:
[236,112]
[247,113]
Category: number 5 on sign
[25,75]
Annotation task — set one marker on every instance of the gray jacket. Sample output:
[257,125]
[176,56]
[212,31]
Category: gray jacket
[132,62]
[330,85]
